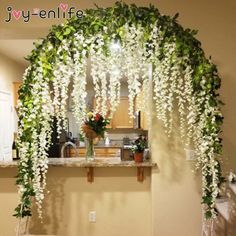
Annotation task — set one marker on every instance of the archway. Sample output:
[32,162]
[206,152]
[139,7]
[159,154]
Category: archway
[121,41]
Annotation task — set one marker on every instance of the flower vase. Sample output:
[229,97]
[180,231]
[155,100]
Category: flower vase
[89,149]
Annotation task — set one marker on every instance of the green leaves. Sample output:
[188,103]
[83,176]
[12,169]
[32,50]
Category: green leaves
[23,210]
[207,200]
[59,35]
[176,16]
[208,214]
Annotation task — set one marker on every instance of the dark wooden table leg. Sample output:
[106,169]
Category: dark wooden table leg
[140,174]
[90,174]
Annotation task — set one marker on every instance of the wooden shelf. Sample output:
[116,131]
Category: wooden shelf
[97,163]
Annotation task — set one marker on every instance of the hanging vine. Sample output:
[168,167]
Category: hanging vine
[181,73]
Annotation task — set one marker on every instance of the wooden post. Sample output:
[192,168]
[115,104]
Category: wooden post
[90,174]
[140,174]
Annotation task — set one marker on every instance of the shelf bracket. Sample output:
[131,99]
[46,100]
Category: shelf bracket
[140,174]
[90,174]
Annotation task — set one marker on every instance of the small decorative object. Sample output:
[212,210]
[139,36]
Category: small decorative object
[138,148]
[232,177]
[94,127]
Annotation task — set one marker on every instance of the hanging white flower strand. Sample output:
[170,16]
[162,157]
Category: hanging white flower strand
[115,70]
[63,71]
[44,142]
[144,98]
[178,90]
[79,93]
[99,74]
[114,90]
[192,109]
[133,57]
[164,77]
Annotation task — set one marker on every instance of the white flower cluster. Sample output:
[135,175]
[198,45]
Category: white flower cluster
[99,75]
[63,71]
[133,62]
[114,67]
[173,83]
[192,108]
[144,98]
[165,85]
[79,93]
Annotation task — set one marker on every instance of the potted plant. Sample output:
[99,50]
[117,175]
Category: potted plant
[138,148]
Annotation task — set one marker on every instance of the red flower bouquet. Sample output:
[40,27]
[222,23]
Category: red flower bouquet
[95,125]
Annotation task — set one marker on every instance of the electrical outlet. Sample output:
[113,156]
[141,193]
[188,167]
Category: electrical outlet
[190,155]
[92,216]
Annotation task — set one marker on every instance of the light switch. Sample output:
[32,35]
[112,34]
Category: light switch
[190,155]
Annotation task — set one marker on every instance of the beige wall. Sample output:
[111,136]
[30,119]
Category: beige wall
[121,203]
[172,196]
[9,71]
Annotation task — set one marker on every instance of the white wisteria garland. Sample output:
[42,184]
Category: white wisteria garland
[79,93]
[40,141]
[99,75]
[135,47]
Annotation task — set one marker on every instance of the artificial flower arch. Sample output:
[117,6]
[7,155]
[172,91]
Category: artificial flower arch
[120,41]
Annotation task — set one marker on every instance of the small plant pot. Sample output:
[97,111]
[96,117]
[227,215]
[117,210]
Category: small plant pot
[138,157]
